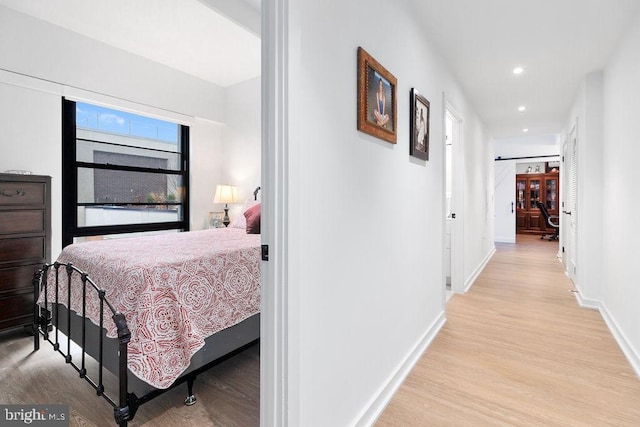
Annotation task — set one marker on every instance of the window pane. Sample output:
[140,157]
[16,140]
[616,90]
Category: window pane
[157,155]
[123,235]
[90,216]
[105,120]
[129,172]
[126,187]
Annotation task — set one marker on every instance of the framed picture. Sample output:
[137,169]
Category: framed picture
[419,125]
[377,104]
[214,219]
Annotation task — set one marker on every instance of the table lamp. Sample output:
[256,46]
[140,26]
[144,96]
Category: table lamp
[226,194]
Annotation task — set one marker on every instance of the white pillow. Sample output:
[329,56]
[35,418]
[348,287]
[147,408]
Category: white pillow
[240,221]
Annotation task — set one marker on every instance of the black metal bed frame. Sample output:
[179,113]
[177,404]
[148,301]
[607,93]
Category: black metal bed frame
[46,325]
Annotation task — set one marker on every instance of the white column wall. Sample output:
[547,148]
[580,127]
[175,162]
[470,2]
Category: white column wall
[365,240]
[620,202]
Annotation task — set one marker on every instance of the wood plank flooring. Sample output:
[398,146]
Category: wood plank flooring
[518,350]
[228,394]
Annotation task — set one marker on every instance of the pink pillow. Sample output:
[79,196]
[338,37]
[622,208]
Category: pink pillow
[252,216]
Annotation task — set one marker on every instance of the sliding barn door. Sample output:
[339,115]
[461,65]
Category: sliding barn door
[505,189]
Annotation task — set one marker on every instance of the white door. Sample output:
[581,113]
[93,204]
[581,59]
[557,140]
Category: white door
[569,217]
[454,242]
[505,188]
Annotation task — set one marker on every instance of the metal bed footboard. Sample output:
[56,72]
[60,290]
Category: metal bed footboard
[46,324]
[49,325]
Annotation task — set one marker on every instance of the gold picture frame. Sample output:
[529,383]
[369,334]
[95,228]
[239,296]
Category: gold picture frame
[377,104]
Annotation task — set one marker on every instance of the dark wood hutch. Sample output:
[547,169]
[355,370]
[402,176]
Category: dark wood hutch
[530,188]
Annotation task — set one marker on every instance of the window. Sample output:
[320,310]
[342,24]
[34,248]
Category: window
[123,174]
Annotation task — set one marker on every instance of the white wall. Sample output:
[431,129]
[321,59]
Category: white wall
[527,146]
[35,48]
[587,112]
[365,240]
[30,140]
[620,175]
[535,165]
[207,167]
[41,62]
[242,140]
[608,146]
[479,197]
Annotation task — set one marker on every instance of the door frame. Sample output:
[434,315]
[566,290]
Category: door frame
[457,197]
[564,185]
[278,382]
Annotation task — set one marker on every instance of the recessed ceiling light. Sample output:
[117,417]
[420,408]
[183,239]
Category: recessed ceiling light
[518,70]
[522,108]
[525,130]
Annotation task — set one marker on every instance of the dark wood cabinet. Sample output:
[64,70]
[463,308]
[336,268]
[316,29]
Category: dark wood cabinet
[25,243]
[532,188]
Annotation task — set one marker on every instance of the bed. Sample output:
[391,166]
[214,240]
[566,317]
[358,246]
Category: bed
[155,310]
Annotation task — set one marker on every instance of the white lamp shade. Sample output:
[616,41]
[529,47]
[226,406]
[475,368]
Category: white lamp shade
[226,194]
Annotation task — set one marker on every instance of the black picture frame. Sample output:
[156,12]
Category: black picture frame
[419,125]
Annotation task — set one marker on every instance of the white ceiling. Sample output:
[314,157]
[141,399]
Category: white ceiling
[556,41]
[174,33]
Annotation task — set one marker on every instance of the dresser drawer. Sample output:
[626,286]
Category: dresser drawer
[17,279]
[22,193]
[23,221]
[25,249]
[17,310]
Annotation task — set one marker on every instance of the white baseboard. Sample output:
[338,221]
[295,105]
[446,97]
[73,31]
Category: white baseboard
[379,402]
[469,282]
[632,355]
[588,303]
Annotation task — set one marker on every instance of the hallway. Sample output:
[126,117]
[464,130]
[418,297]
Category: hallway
[518,350]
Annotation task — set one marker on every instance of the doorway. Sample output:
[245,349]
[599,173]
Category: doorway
[453,170]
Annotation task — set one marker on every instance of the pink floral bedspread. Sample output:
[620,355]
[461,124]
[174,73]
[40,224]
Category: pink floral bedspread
[175,290]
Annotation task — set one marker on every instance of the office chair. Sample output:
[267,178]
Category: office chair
[552,220]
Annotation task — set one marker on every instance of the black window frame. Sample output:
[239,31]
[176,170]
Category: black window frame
[70,166]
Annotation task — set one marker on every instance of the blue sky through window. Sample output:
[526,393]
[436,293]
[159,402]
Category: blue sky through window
[105,119]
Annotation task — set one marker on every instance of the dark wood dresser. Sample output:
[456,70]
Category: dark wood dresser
[25,243]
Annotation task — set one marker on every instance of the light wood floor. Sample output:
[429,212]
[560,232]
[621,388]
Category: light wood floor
[518,350]
[228,394]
